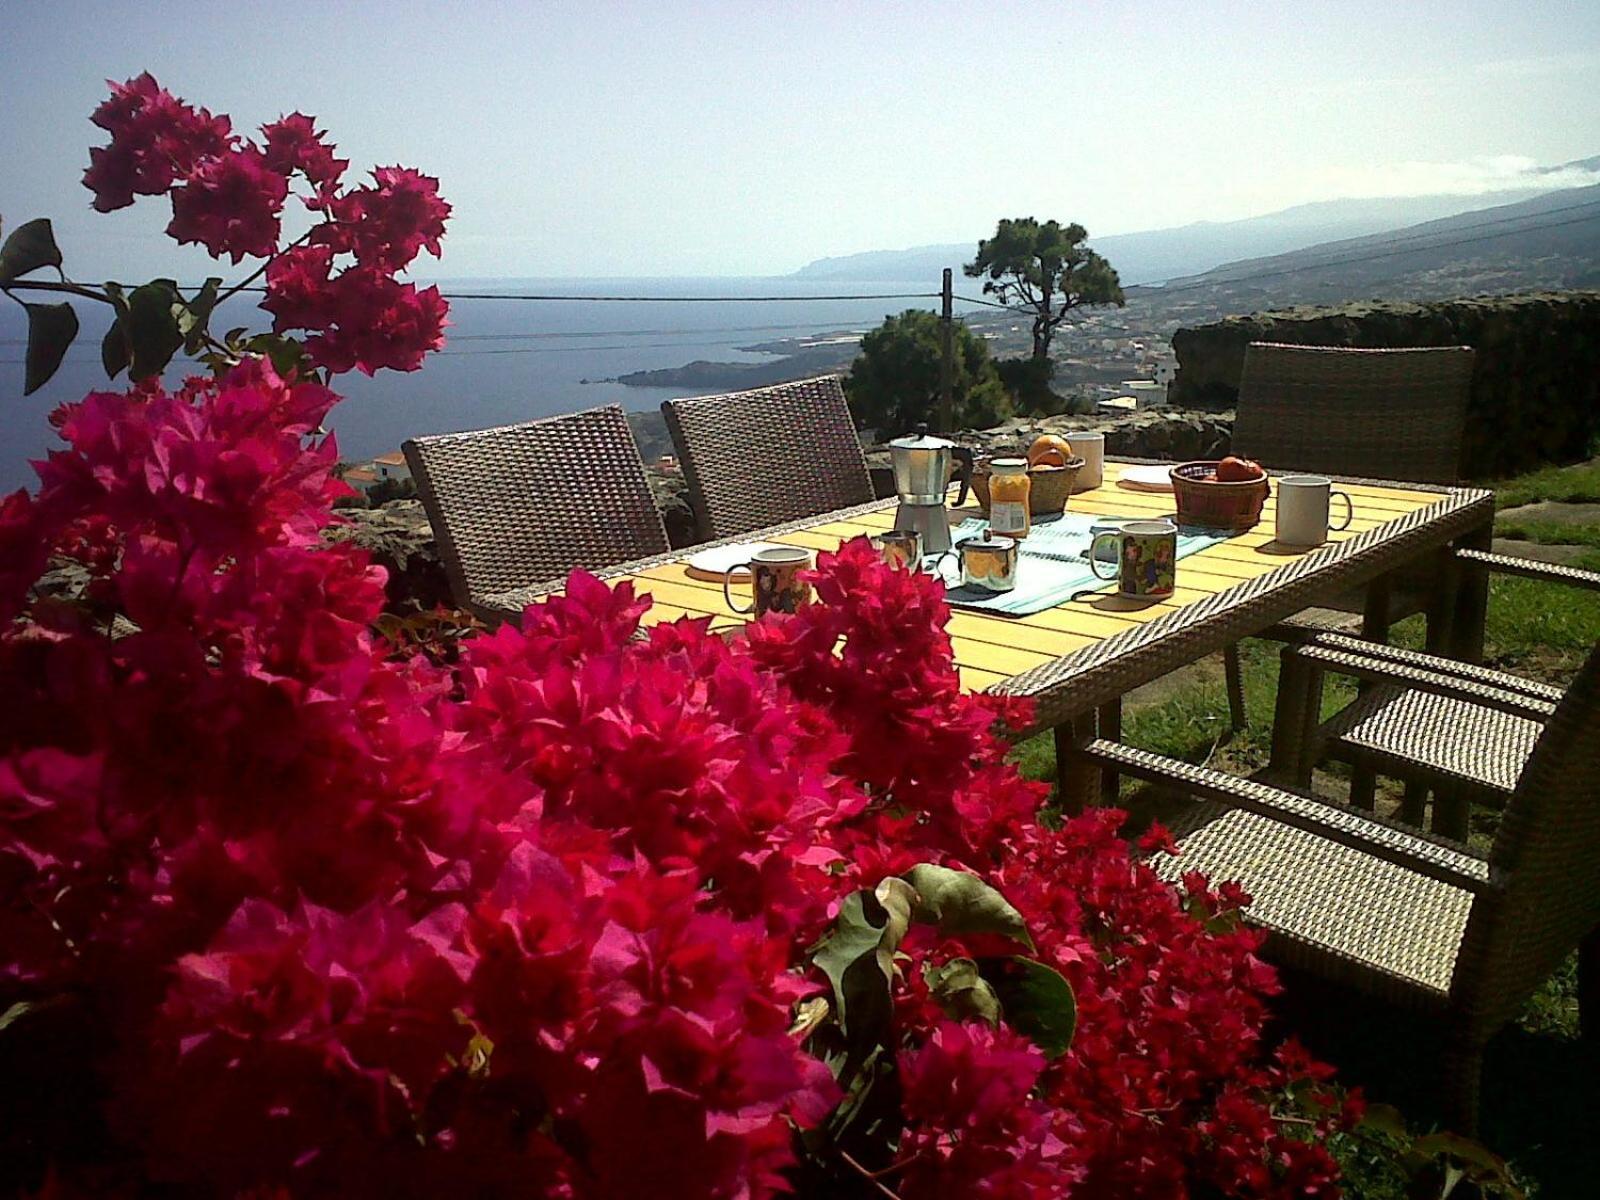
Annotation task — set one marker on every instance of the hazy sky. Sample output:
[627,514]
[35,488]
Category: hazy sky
[751,137]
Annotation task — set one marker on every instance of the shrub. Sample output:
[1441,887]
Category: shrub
[290,908]
[893,384]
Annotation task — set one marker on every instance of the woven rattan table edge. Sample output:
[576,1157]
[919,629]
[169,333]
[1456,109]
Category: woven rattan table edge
[1093,677]
[1082,681]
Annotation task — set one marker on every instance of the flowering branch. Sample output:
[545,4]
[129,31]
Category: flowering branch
[332,292]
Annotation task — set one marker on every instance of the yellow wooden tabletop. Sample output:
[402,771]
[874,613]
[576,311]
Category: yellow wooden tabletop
[989,648]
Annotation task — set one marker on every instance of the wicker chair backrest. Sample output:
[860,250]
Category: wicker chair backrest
[1376,414]
[763,457]
[1549,848]
[525,504]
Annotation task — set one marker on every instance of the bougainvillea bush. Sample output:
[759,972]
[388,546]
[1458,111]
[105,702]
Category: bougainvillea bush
[290,909]
[287,909]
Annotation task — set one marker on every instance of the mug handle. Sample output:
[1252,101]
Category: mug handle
[1349,511]
[727,593]
[938,563]
[1094,560]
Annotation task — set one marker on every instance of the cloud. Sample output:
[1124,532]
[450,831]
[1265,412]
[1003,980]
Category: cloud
[1469,177]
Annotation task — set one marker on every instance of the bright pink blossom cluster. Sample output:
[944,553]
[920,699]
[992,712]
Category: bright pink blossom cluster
[285,911]
[337,282]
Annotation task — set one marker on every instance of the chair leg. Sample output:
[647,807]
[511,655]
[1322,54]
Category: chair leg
[1462,1084]
[1363,787]
[1289,716]
[1589,987]
[1233,673]
[1451,813]
[1413,809]
[1311,718]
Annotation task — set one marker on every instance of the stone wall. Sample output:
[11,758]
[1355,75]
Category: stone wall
[1536,383]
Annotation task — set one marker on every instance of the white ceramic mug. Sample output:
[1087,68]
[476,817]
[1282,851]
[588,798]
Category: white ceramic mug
[1303,502]
[1091,447]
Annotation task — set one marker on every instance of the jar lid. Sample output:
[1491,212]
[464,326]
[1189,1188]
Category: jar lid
[1009,466]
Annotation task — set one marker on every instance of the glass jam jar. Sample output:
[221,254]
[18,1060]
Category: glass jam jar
[1008,497]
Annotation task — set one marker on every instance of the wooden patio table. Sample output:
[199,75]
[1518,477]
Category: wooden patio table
[1076,660]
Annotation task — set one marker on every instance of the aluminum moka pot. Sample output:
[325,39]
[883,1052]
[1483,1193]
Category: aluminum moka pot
[922,468]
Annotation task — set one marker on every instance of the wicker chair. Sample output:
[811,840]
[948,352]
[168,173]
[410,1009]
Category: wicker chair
[776,454]
[1411,916]
[1376,414]
[515,508]
[1461,731]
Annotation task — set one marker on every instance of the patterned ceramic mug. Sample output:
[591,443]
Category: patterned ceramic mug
[775,583]
[1146,558]
[988,563]
[900,548]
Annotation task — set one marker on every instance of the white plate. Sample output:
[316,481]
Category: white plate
[1146,479]
[715,563]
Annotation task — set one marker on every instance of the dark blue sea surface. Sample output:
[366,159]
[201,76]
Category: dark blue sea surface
[507,360]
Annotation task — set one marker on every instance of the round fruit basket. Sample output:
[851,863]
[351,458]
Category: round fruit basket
[1205,500]
[1048,487]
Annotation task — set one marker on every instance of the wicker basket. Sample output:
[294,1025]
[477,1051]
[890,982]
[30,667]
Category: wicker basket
[1206,501]
[1048,487]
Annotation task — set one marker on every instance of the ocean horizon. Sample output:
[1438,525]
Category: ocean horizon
[505,360]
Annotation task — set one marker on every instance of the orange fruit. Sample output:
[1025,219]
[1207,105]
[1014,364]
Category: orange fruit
[1049,450]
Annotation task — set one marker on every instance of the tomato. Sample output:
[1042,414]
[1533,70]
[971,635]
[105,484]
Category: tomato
[1238,470]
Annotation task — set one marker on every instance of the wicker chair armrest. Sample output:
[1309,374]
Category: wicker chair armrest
[1528,568]
[1448,668]
[1427,854]
[1446,679]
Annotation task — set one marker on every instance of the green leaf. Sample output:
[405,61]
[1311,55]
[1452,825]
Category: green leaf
[961,991]
[196,315]
[29,247]
[51,328]
[285,354]
[1384,1118]
[959,902]
[152,327]
[114,350]
[15,1013]
[1037,1000]
[853,939]
[25,1008]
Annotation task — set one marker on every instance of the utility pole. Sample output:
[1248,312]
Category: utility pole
[946,355]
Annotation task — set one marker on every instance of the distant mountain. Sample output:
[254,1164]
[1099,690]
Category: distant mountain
[1551,240]
[1157,255]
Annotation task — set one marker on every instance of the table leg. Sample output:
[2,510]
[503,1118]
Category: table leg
[1442,604]
[1078,783]
[1472,600]
[1375,620]
[1110,718]
[1289,716]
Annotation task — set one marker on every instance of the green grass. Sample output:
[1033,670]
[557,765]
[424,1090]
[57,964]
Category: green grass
[1548,533]
[1541,1103]
[1576,484]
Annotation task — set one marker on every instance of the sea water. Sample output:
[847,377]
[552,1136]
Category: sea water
[506,360]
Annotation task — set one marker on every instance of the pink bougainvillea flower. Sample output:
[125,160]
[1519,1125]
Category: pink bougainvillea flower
[373,321]
[230,204]
[293,143]
[387,225]
[155,139]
